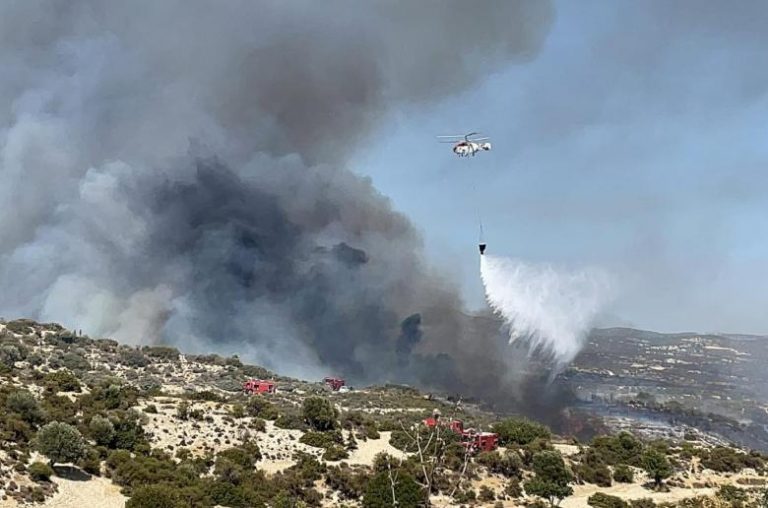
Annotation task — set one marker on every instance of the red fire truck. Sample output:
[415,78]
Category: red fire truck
[334,383]
[471,439]
[258,386]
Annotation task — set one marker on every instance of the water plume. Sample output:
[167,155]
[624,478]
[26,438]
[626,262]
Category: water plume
[551,307]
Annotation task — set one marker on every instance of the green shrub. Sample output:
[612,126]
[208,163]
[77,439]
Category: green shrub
[259,425]
[155,496]
[509,464]
[75,362]
[260,407]
[623,474]
[182,410]
[378,492]
[10,354]
[237,411]
[623,448]
[308,467]
[35,359]
[40,472]
[370,430]
[60,408]
[486,494]
[335,453]
[349,484]
[321,439]
[656,465]
[161,352]
[133,358]
[118,457]
[645,502]
[101,430]
[61,381]
[20,326]
[520,431]
[26,406]
[290,421]
[205,395]
[513,489]
[150,409]
[244,456]
[601,500]
[402,441]
[725,460]
[90,462]
[319,413]
[129,435]
[592,469]
[733,495]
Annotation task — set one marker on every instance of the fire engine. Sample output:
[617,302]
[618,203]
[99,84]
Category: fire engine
[334,383]
[258,386]
[471,439]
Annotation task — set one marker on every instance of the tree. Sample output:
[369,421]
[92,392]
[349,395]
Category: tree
[60,442]
[552,478]
[380,492]
[657,465]
[520,431]
[319,413]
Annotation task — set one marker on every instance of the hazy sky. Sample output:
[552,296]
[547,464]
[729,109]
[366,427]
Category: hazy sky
[636,141]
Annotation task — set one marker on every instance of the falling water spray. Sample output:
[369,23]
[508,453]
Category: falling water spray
[551,307]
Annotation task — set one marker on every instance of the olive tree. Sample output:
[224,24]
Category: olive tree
[552,478]
[60,442]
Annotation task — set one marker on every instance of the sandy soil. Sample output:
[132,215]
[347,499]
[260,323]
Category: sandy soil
[93,493]
[630,491]
[368,449]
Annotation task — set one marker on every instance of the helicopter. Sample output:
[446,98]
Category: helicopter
[463,146]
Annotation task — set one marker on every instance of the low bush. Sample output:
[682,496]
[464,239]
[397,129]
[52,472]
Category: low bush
[61,381]
[601,500]
[509,464]
[133,358]
[165,353]
[321,439]
[40,472]
[260,407]
[623,474]
[335,453]
[155,496]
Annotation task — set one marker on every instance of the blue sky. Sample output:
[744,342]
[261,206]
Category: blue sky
[636,140]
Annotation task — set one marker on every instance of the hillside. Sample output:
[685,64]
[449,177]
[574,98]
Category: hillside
[150,427]
[659,383]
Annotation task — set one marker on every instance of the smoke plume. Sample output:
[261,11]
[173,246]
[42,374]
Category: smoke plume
[176,171]
[551,308]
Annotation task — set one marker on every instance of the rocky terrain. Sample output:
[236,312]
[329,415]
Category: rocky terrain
[90,422]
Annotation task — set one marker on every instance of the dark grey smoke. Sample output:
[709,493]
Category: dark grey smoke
[176,171]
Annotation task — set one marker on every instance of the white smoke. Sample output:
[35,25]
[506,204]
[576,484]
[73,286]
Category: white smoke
[553,308]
